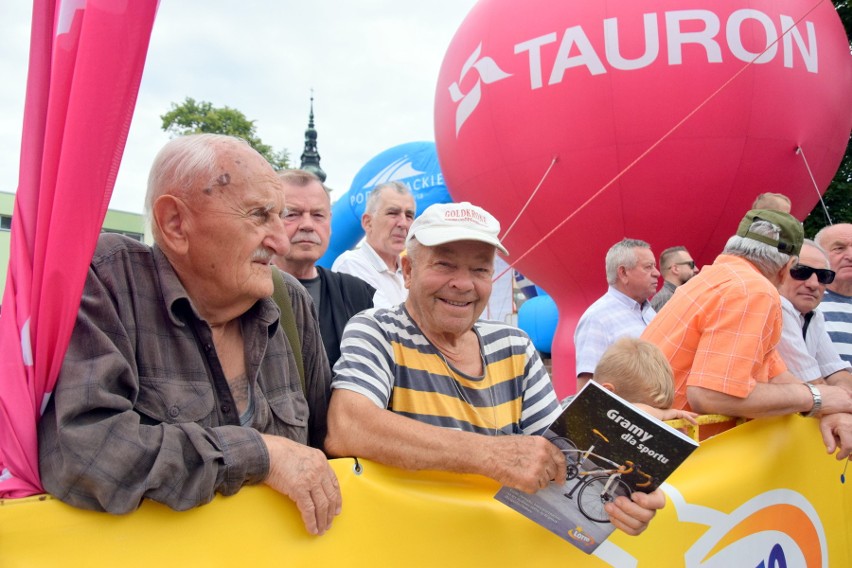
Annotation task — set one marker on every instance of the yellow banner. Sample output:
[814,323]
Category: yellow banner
[762,495]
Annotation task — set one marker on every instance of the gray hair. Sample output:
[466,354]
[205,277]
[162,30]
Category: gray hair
[299,178]
[767,258]
[622,254]
[182,164]
[372,204]
[302,178]
[412,248]
[819,248]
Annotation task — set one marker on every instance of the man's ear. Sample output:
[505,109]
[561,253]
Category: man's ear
[366,221]
[406,270]
[170,217]
[608,386]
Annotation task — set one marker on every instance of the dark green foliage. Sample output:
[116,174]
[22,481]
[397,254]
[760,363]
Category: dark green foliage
[191,117]
[838,196]
[838,199]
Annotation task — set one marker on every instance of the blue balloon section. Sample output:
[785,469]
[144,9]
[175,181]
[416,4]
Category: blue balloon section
[415,164]
[538,317]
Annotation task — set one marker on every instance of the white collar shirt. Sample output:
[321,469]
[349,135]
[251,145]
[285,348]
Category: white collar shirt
[366,264]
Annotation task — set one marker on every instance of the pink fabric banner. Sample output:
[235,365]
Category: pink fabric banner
[86,62]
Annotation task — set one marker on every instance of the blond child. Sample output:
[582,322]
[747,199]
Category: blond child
[637,371]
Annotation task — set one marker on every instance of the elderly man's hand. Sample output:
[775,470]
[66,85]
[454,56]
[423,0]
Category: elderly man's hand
[835,399]
[836,432]
[633,514]
[304,475]
[527,463]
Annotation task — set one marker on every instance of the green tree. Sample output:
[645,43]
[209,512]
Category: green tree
[838,196]
[844,10]
[191,117]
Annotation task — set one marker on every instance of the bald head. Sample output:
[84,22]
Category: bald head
[193,163]
[773,201]
[837,242]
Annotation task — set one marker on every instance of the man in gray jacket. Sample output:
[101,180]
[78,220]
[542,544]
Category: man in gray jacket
[179,382]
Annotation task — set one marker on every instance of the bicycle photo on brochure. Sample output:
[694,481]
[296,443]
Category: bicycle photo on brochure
[597,484]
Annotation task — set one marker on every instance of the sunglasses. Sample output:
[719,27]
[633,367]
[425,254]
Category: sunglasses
[802,272]
[689,263]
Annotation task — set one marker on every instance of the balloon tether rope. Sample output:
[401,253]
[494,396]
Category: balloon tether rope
[657,143]
[532,195]
[801,152]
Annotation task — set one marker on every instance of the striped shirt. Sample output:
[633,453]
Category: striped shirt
[385,357]
[837,310]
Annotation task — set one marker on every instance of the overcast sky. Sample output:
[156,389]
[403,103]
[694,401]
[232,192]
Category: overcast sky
[373,66]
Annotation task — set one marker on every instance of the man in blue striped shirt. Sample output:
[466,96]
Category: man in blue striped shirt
[428,385]
[837,303]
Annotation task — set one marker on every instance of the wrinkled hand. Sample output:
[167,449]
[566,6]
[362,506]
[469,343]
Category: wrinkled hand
[633,514]
[527,463]
[835,399]
[304,475]
[836,432]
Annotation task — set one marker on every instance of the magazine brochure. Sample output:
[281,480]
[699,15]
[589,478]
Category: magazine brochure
[611,448]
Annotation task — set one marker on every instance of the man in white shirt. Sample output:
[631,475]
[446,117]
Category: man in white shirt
[805,345]
[387,216]
[631,272]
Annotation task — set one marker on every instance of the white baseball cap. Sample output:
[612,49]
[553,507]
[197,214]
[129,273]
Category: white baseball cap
[443,223]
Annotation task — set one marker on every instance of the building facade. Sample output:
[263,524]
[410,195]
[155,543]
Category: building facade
[130,224]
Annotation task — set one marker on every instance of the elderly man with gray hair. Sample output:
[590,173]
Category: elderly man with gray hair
[387,216]
[179,381]
[721,329]
[624,311]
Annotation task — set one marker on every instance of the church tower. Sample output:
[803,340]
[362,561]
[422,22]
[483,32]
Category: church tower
[310,156]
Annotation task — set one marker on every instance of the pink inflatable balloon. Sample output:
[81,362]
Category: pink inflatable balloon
[572,93]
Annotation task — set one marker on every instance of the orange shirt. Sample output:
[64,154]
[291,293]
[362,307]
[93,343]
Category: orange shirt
[720,329]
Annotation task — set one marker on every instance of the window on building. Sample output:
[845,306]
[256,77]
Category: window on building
[137,236]
[5,222]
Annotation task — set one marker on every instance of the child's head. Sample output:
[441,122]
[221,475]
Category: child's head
[638,372]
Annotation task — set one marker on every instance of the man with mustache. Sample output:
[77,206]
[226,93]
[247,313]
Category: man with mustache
[387,216]
[179,382]
[337,296]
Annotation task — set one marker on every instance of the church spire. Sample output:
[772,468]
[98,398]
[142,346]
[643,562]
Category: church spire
[310,156]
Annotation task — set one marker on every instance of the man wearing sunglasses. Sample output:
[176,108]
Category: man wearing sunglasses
[837,304]
[677,267]
[805,345]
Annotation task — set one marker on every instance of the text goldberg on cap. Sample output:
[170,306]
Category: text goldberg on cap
[465,215]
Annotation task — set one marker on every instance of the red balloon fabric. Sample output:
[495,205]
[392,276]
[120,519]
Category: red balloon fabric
[667,120]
